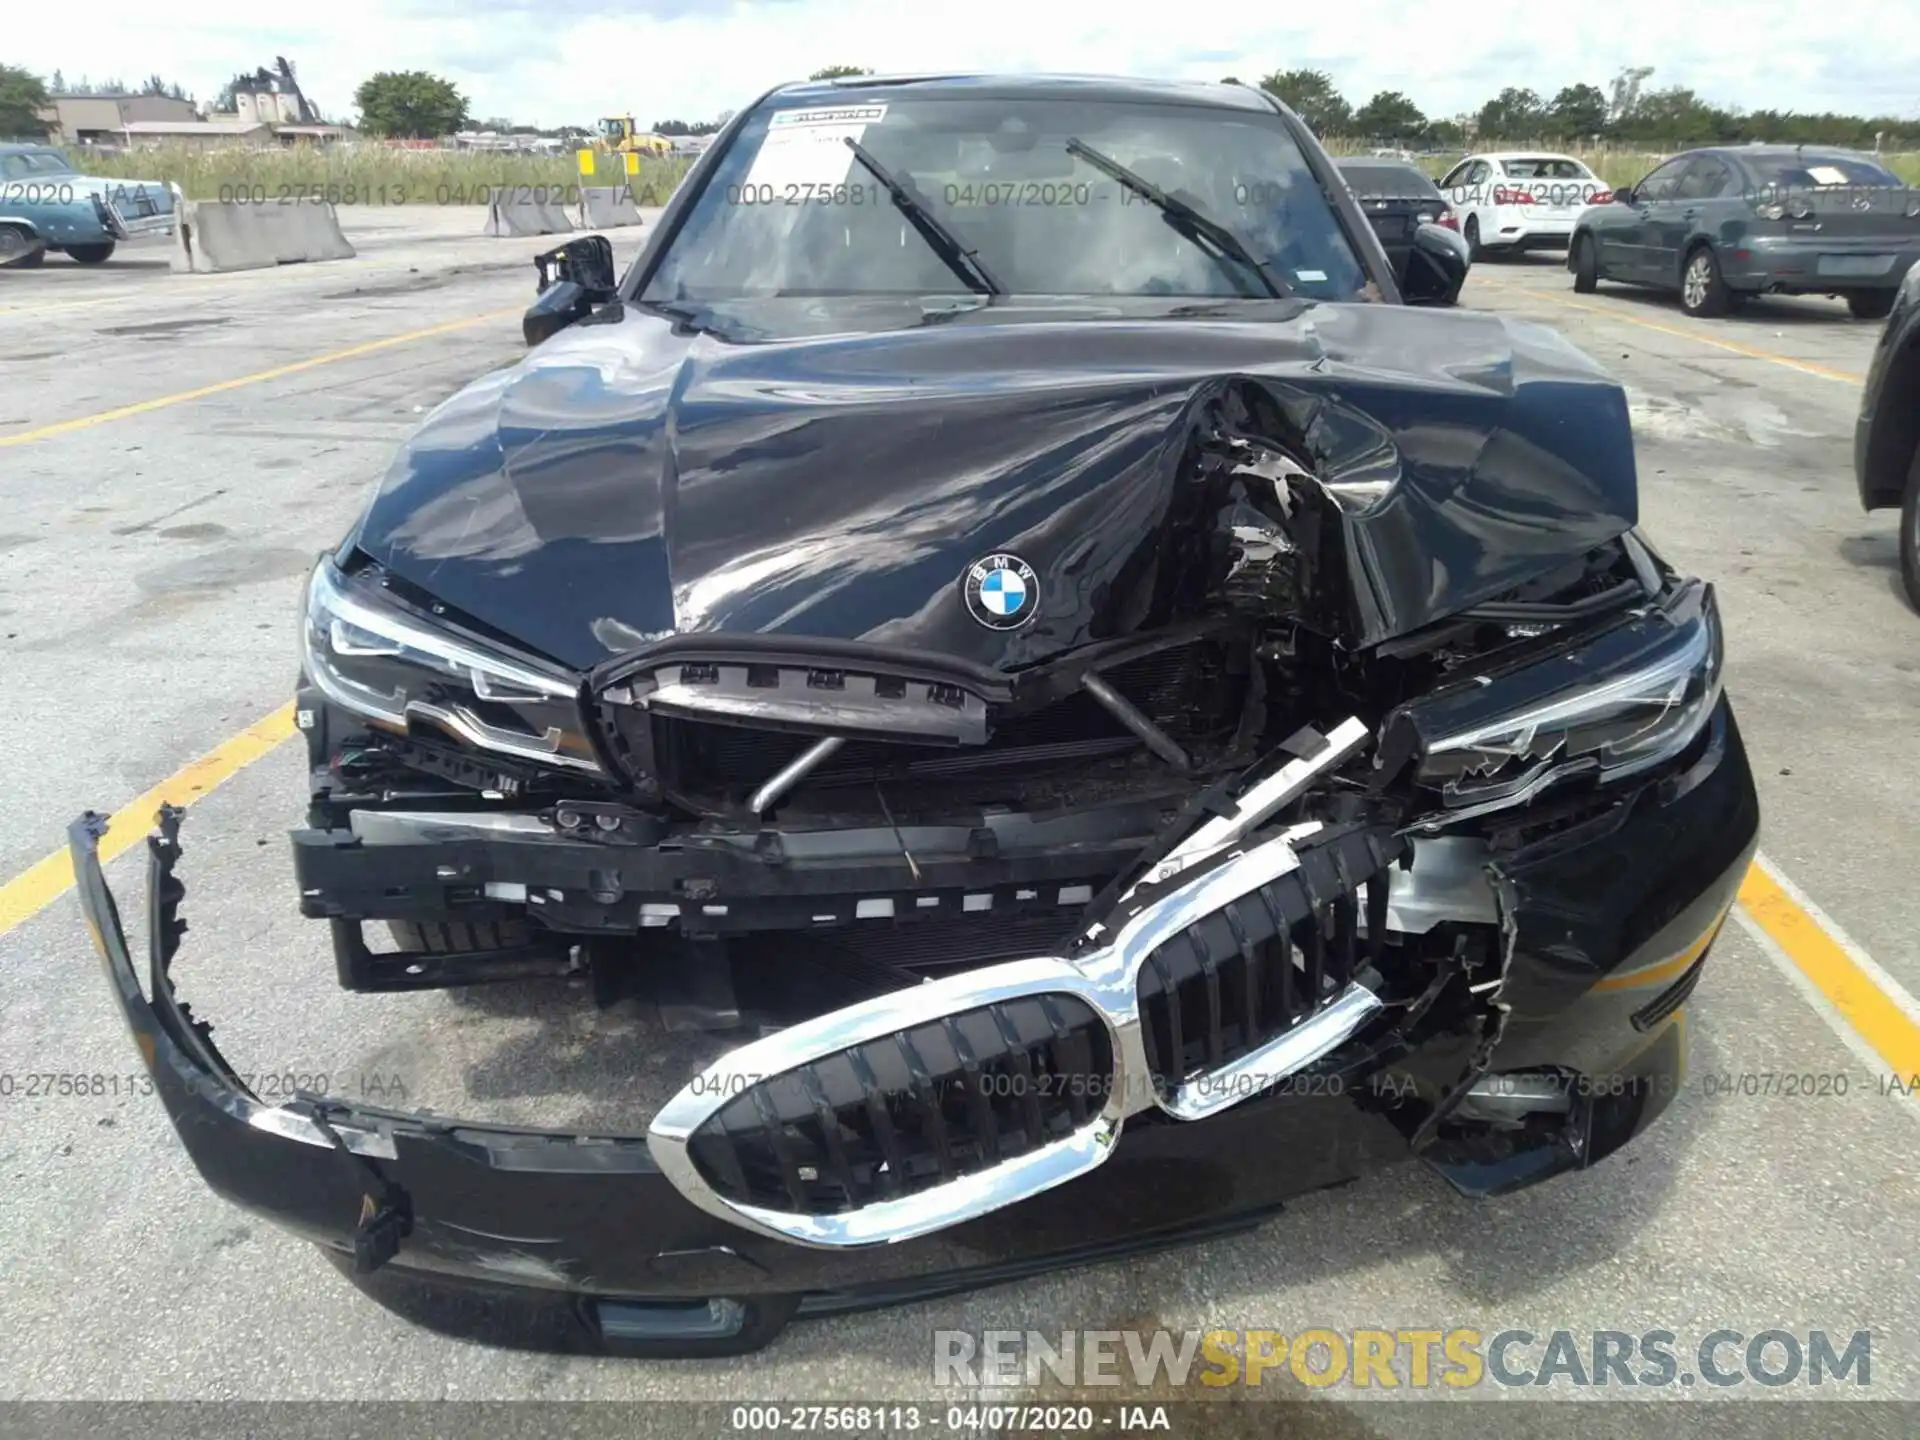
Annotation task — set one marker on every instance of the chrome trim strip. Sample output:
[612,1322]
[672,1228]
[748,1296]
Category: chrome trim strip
[857,705]
[1106,979]
[1261,800]
[418,827]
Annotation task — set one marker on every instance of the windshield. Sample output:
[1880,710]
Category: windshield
[1809,172]
[791,211]
[1547,167]
[29,163]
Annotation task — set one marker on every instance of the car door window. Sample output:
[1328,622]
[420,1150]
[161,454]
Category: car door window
[1661,184]
[1704,179]
[1457,175]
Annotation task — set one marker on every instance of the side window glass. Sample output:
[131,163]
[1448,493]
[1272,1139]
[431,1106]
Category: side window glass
[1710,182]
[1660,184]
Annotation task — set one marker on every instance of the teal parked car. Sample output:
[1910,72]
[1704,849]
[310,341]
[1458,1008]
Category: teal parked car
[47,206]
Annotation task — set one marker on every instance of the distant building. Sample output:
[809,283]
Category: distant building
[313,134]
[271,96]
[196,134]
[103,119]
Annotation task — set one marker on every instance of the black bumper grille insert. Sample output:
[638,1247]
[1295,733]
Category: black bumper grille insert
[899,1114]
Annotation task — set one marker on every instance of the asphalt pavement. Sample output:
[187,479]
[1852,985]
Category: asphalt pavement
[175,449]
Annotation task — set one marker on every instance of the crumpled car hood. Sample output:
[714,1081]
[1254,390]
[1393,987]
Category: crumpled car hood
[832,468]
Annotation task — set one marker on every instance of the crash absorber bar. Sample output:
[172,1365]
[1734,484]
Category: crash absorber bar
[793,772]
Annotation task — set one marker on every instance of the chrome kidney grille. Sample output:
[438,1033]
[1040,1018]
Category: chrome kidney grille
[931,1106]
[1230,986]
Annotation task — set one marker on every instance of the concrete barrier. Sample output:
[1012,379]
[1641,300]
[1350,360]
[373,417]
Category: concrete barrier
[215,236]
[527,210]
[604,207]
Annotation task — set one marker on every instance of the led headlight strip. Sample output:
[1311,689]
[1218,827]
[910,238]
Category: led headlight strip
[375,659]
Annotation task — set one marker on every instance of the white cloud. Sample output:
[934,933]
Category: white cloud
[540,63]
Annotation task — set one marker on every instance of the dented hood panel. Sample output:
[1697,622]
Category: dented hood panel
[831,468]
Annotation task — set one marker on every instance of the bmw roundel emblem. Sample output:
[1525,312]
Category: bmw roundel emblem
[1002,591]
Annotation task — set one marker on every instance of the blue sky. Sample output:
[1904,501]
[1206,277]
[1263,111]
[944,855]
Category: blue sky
[547,63]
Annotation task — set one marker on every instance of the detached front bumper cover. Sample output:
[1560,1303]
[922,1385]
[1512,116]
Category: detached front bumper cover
[1035,1063]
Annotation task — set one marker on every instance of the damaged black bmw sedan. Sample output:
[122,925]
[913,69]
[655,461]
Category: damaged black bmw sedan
[1107,705]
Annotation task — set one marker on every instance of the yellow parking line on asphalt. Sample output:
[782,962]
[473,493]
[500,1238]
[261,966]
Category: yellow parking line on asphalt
[85,422]
[1806,366]
[1863,1002]
[31,892]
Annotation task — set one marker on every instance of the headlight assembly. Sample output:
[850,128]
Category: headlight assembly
[1611,706]
[370,654]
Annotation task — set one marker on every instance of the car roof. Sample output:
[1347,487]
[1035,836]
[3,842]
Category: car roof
[1108,88]
[1379,162]
[1526,155]
[1782,152]
[26,147]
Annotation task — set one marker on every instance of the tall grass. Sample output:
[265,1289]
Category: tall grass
[375,174]
[363,174]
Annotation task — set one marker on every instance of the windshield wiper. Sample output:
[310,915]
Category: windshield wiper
[1183,217]
[686,313]
[948,246]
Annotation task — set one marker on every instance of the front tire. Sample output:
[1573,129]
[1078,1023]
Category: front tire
[1586,265]
[92,254]
[1910,534]
[1871,304]
[1703,291]
[1474,251]
[16,249]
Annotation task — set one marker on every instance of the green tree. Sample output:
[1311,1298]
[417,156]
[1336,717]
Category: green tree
[1513,114]
[410,105]
[22,97]
[1311,95]
[1389,115]
[57,85]
[1578,112]
[1677,116]
[836,72]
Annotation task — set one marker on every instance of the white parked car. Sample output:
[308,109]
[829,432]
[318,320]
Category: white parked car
[1520,200]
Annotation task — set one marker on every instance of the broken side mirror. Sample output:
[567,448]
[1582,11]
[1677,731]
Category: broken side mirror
[1435,266]
[573,279]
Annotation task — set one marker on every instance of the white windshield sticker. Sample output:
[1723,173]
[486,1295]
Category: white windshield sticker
[805,149]
[1827,175]
[1310,275]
